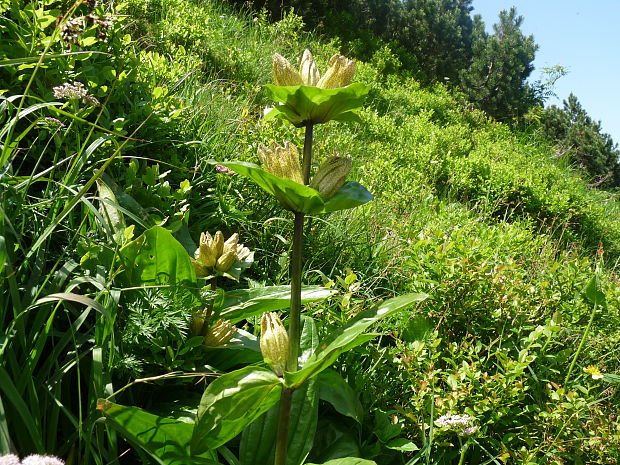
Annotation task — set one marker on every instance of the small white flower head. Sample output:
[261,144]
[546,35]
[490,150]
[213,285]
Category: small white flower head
[453,421]
[69,91]
[9,459]
[42,460]
[54,123]
[470,430]
[75,91]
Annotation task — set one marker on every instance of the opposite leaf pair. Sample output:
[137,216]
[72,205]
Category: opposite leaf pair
[284,163]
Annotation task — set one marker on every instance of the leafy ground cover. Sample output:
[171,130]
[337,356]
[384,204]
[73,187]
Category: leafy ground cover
[516,253]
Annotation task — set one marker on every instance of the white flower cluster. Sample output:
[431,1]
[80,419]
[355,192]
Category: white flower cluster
[460,423]
[34,459]
[75,91]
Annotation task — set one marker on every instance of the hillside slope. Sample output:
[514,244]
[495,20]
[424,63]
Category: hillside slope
[514,249]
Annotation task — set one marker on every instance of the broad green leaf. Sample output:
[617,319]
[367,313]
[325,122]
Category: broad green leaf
[165,439]
[351,195]
[347,461]
[244,303]
[242,349]
[384,429]
[156,257]
[593,294]
[349,336]
[258,439]
[611,378]
[402,444]
[108,207]
[335,440]
[335,390]
[302,105]
[298,197]
[232,402]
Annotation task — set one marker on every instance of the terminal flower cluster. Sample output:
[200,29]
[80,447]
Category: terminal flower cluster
[215,254]
[462,424]
[339,73]
[74,91]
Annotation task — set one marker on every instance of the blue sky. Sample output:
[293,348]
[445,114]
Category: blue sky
[580,35]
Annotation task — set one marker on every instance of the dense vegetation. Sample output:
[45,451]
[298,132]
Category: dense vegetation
[110,115]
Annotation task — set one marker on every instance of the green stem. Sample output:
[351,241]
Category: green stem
[284,416]
[294,326]
[583,340]
[307,160]
[209,310]
[463,451]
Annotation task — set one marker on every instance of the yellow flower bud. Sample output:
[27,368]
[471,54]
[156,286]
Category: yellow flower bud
[274,342]
[281,161]
[216,254]
[339,74]
[195,326]
[331,176]
[283,73]
[206,256]
[308,70]
[226,261]
[231,243]
[219,333]
[217,246]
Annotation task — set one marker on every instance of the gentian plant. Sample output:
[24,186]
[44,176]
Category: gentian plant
[257,400]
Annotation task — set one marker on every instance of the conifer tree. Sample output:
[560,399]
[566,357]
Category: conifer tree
[582,138]
[502,62]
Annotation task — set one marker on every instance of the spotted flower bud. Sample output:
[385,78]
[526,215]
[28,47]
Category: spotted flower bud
[274,342]
[226,261]
[340,72]
[206,254]
[219,333]
[283,73]
[281,161]
[331,176]
[218,244]
[308,70]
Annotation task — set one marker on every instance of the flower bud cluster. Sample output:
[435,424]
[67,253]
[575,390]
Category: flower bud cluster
[339,74]
[281,161]
[75,91]
[215,254]
[34,459]
[274,342]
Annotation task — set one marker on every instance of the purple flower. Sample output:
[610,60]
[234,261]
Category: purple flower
[223,169]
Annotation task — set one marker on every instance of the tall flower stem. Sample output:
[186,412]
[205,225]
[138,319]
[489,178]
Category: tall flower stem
[294,327]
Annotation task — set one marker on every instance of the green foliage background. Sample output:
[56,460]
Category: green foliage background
[501,232]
